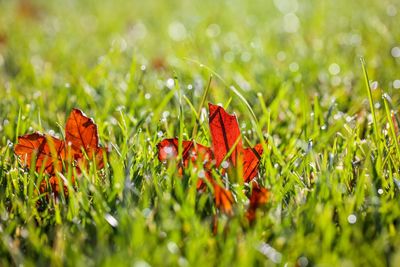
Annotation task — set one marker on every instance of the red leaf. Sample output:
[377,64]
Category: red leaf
[47,150]
[223,198]
[225,133]
[54,184]
[259,196]
[191,151]
[53,154]
[251,160]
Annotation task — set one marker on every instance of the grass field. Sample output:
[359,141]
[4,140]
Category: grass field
[141,68]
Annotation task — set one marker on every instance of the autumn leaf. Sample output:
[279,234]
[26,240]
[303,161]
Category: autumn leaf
[51,156]
[226,152]
[259,196]
[46,150]
[81,135]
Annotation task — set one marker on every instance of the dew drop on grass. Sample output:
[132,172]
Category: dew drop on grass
[160,133]
[281,56]
[395,51]
[245,57]
[143,67]
[352,219]
[302,261]
[190,87]
[336,81]
[183,262]
[291,23]
[374,85]
[170,83]
[396,84]
[111,220]
[213,30]
[334,69]
[229,57]
[270,252]
[172,247]
[168,150]
[380,191]
[294,66]
[147,96]
[225,164]
[202,174]
[177,31]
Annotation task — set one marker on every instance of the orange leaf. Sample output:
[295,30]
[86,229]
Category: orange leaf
[47,150]
[225,135]
[259,196]
[52,154]
[251,160]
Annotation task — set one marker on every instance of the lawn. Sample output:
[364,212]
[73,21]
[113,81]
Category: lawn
[316,82]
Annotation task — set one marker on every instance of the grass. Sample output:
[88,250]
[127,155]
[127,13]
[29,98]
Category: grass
[141,68]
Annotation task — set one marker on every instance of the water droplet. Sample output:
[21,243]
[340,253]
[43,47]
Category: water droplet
[291,23]
[336,81]
[334,69]
[160,133]
[213,30]
[111,220]
[177,31]
[396,84]
[270,252]
[143,67]
[380,191]
[168,150]
[147,96]
[225,164]
[229,56]
[302,261]
[170,83]
[293,67]
[374,85]
[245,57]
[165,114]
[202,174]
[352,219]
[281,56]
[395,51]
[190,87]
[172,247]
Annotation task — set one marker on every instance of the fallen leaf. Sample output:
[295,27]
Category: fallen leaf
[259,196]
[51,156]
[226,152]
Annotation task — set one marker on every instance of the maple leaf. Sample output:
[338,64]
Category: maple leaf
[227,149]
[51,156]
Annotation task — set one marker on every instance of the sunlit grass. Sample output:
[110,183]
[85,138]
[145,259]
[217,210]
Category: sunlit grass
[141,69]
